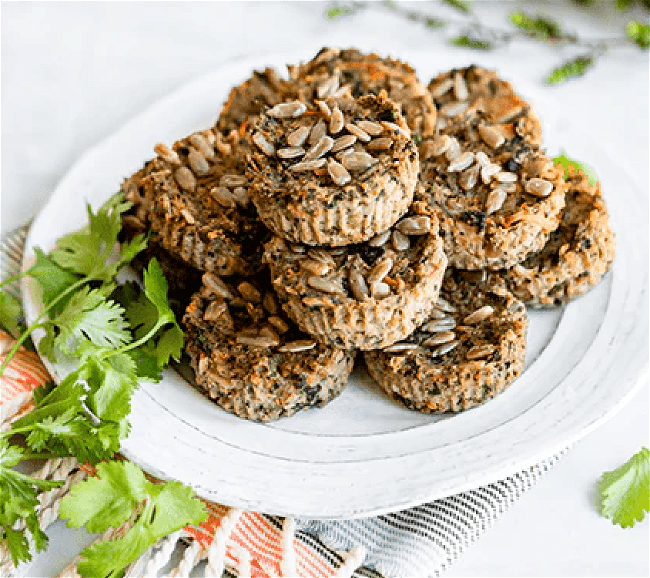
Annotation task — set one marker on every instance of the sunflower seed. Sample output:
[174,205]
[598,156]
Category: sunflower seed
[258,341]
[379,239]
[223,196]
[401,347]
[270,303]
[491,136]
[338,172]
[337,121]
[380,290]
[444,305]
[380,144]
[358,284]
[287,109]
[467,179]
[479,315]
[322,147]
[495,200]
[370,127]
[249,292]
[453,150]
[308,165]
[269,332]
[291,152]
[296,248]
[328,87]
[506,177]
[167,154]
[445,348]
[380,270]
[265,146]
[440,145]
[339,155]
[189,218]
[318,131]
[185,179]
[480,351]
[439,338]
[488,172]
[453,109]
[507,187]
[343,142]
[461,163]
[482,159]
[442,88]
[324,109]
[418,225]
[202,145]
[232,180]
[297,346]
[216,286]
[315,267]
[215,310]
[535,167]
[241,196]
[361,134]
[321,256]
[396,128]
[400,241]
[437,314]
[460,87]
[438,325]
[343,92]
[539,187]
[298,137]
[325,285]
[358,161]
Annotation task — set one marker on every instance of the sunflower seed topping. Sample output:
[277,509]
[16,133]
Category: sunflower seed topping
[480,351]
[214,310]
[495,200]
[444,305]
[380,144]
[298,137]
[468,178]
[445,348]
[418,225]
[482,159]
[308,165]
[318,131]
[185,179]
[453,109]
[539,187]
[324,109]
[438,325]
[291,152]
[189,218]
[479,315]
[202,145]
[370,127]
[287,109]
[343,142]
[506,177]
[167,154]
[338,172]
[323,284]
[337,121]
[249,292]
[453,150]
[216,286]
[488,172]
[380,270]
[328,87]
[265,146]
[380,290]
[241,196]
[379,239]
[491,136]
[315,267]
[278,323]
[358,284]
[223,196]
[400,241]
[358,161]
[231,180]
[461,163]
[361,134]
[270,303]
[322,147]
[439,338]
[259,341]
[297,346]
[442,88]
[401,347]
[460,87]
[321,256]
[440,145]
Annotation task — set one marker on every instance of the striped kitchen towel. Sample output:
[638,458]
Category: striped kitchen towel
[419,541]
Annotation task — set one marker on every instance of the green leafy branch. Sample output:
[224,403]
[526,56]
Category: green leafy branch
[477,36]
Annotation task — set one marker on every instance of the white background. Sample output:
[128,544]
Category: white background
[73,72]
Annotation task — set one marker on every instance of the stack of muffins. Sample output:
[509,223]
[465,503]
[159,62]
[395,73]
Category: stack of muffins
[350,208]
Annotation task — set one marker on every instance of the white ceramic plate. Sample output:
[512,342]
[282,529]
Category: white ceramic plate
[363,454]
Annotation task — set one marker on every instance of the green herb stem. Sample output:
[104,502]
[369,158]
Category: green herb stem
[12,279]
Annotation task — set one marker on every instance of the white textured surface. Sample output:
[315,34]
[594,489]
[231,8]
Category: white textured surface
[72,73]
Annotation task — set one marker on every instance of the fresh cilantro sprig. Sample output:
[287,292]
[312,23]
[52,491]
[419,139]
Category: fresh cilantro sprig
[625,492]
[115,335]
[109,500]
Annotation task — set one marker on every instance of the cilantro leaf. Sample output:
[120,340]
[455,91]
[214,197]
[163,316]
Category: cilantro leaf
[10,314]
[155,288]
[110,500]
[470,42]
[539,27]
[460,5]
[639,33]
[338,11]
[567,162]
[625,492]
[576,67]
[52,278]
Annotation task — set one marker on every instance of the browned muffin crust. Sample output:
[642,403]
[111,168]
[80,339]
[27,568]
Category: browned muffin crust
[497,197]
[470,349]
[577,255]
[251,359]
[365,295]
[335,174]
[332,71]
[465,92]
[195,198]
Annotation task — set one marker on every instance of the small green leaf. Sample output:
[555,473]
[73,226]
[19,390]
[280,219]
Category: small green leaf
[339,11]
[469,42]
[567,162]
[625,492]
[460,5]
[639,33]
[11,314]
[52,278]
[573,68]
[540,27]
